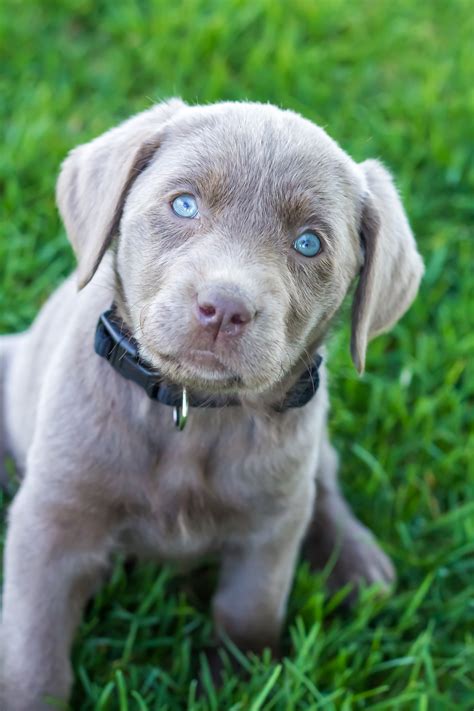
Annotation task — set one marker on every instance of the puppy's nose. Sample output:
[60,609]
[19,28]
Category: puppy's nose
[220,310]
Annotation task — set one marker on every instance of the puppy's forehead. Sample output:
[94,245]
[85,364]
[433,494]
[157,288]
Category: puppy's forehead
[230,149]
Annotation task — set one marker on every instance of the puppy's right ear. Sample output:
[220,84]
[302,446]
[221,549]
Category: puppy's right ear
[95,179]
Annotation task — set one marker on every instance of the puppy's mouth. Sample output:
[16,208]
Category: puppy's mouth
[199,369]
[206,360]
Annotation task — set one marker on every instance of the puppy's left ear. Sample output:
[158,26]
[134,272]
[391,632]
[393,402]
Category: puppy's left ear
[392,268]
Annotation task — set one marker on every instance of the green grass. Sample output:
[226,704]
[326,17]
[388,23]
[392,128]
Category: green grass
[389,80]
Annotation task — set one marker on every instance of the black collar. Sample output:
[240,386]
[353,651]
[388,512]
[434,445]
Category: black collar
[115,344]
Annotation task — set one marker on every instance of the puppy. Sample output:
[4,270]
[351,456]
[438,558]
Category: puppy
[225,238]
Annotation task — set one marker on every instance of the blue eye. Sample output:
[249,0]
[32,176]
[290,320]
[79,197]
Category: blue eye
[308,244]
[185,206]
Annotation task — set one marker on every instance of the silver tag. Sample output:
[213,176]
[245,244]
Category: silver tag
[180,412]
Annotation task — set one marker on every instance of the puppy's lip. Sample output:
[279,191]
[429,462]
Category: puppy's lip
[208,359]
[203,364]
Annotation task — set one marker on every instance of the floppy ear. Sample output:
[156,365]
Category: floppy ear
[96,177]
[392,268]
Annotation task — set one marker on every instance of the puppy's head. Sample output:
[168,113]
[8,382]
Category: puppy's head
[238,230]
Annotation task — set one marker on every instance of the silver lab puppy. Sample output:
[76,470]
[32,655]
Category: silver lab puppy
[223,299]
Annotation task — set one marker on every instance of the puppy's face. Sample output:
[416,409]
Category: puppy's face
[237,246]
[238,229]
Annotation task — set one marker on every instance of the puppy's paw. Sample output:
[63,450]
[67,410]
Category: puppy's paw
[363,562]
[353,557]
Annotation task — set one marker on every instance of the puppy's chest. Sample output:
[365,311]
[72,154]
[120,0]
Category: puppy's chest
[202,491]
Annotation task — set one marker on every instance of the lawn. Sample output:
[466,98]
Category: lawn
[388,80]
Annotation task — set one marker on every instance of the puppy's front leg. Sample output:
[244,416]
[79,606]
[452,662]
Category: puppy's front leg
[250,603]
[54,558]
